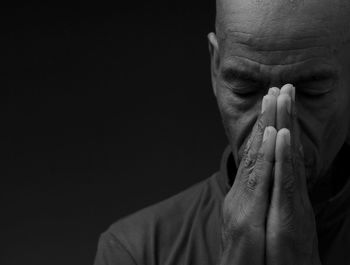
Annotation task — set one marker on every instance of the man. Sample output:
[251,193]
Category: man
[282,195]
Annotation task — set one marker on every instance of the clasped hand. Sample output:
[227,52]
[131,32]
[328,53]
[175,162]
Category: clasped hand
[267,214]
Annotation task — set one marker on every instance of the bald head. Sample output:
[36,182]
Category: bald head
[275,17]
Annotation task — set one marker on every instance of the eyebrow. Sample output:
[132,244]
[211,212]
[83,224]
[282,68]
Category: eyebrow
[231,73]
[317,75]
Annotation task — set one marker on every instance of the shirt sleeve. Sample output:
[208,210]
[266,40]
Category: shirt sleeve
[111,251]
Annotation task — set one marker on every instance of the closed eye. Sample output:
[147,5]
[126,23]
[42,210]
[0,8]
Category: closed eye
[240,83]
[315,88]
[315,85]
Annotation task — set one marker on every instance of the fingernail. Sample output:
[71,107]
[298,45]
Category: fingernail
[286,89]
[266,133]
[273,91]
[263,104]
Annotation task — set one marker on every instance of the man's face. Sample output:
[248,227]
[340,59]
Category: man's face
[262,44]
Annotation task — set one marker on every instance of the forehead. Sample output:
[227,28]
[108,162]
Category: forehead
[274,17]
[279,32]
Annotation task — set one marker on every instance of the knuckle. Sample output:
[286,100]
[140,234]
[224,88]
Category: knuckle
[246,148]
[249,161]
[260,166]
[252,183]
[289,185]
[256,166]
[255,155]
[249,143]
[260,126]
[260,157]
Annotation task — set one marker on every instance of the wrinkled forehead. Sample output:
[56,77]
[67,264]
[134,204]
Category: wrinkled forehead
[283,22]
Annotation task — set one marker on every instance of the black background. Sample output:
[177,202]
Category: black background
[106,108]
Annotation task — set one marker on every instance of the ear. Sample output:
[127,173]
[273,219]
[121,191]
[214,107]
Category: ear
[214,59]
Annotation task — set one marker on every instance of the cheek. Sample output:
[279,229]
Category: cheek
[239,116]
[314,116]
[337,123]
[324,118]
[323,128]
[233,106]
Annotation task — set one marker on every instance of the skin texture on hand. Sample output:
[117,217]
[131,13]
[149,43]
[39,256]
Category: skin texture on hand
[291,236]
[267,214]
[246,204]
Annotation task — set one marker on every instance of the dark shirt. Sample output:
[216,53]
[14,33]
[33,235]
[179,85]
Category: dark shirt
[185,229]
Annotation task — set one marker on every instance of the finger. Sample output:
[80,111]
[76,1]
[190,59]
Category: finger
[297,149]
[284,185]
[268,110]
[268,106]
[288,89]
[285,106]
[274,91]
[284,111]
[290,119]
[296,145]
[260,179]
[257,186]
[266,118]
